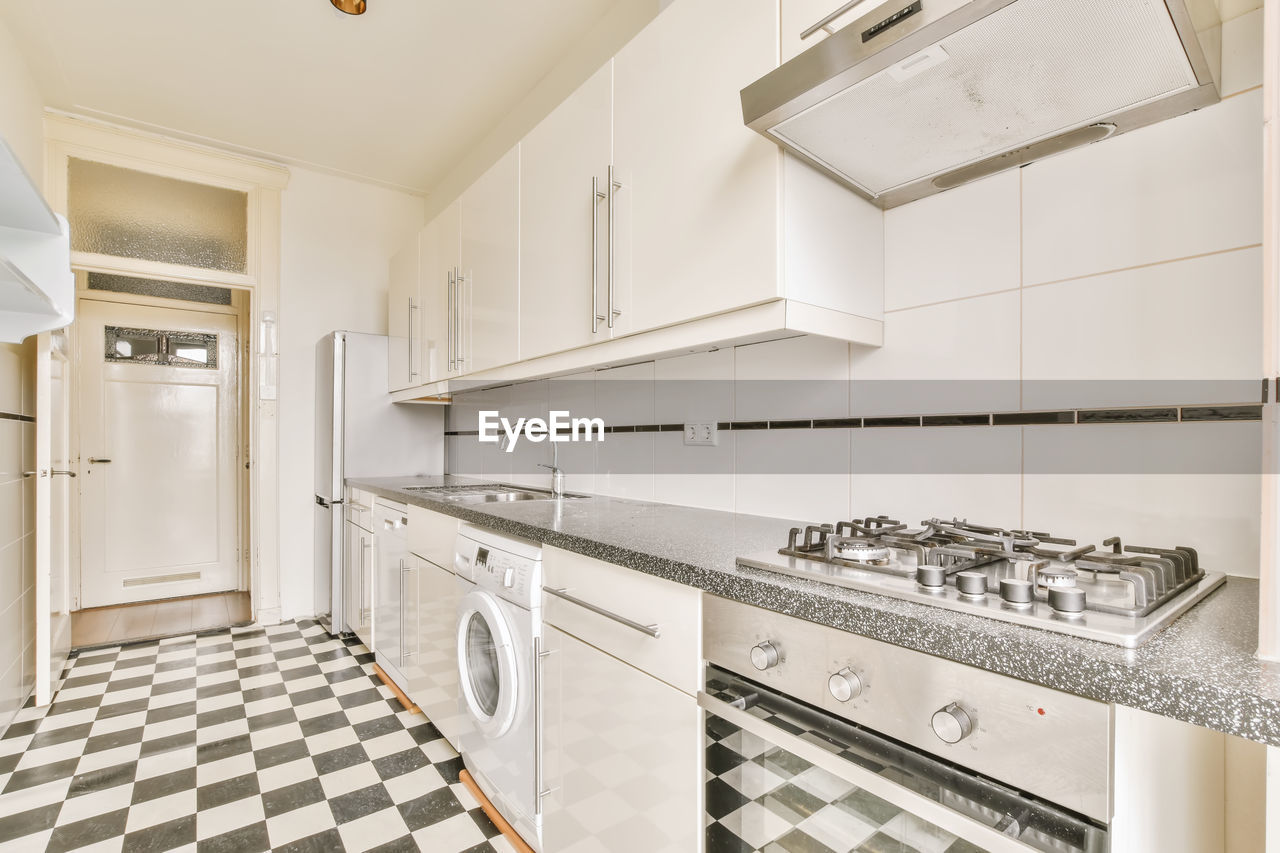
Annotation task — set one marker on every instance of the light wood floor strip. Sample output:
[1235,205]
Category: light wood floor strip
[124,623]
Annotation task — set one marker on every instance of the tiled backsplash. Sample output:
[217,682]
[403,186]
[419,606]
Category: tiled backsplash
[1101,278]
[17,527]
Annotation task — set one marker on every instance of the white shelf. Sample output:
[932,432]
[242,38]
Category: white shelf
[37,287]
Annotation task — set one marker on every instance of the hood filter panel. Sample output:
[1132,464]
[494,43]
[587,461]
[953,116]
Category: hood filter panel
[1029,71]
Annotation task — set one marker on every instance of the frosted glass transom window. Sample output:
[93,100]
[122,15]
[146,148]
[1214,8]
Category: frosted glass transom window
[131,214]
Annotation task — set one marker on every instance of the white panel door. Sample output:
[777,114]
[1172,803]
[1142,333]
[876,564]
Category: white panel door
[697,215]
[54,472]
[159,487]
[622,752]
[491,266]
[563,228]
[438,248]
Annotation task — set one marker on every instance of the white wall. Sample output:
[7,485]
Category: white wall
[336,238]
[21,107]
[1137,258]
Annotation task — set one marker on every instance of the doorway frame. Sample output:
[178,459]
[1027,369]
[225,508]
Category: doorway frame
[68,136]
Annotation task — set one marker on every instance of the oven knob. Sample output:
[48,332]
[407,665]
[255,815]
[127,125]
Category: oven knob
[1016,591]
[972,583]
[845,685]
[952,724]
[931,577]
[765,655]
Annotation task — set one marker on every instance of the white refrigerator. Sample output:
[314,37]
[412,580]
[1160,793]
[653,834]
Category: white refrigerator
[360,433]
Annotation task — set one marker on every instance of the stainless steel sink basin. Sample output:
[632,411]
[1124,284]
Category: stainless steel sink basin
[487,493]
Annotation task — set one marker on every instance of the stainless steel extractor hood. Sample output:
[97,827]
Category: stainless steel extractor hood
[918,96]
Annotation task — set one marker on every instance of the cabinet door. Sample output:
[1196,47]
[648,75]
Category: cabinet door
[403,358]
[622,755]
[387,621]
[490,266]
[560,217]
[698,213]
[410,662]
[438,247]
[437,692]
[359,574]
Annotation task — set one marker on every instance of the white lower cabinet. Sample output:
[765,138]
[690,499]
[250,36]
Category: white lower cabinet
[435,689]
[622,755]
[622,730]
[359,581]
[395,619]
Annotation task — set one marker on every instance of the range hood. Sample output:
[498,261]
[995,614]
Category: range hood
[918,96]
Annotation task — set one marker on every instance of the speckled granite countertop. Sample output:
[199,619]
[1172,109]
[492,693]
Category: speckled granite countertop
[1201,669]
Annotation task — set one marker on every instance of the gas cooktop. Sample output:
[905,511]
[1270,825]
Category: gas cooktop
[1119,594]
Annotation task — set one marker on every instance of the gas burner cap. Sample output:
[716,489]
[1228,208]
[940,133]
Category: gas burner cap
[1062,578]
[862,552]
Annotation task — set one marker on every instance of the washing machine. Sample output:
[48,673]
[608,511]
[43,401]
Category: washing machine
[499,634]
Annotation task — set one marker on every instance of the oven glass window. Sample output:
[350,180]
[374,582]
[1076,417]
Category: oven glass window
[482,665]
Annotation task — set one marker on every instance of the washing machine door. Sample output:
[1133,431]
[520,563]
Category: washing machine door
[486,663]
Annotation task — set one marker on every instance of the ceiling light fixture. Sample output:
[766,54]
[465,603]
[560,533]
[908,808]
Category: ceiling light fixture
[351,7]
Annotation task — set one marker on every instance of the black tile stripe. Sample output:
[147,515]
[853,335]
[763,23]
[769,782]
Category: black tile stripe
[1113,416]
[1221,413]
[1032,418]
[14,416]
[1118,415]
[957,420]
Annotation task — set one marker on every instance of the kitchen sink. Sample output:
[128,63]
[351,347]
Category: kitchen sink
[489,493]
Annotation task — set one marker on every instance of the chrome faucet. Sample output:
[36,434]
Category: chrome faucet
[557,476]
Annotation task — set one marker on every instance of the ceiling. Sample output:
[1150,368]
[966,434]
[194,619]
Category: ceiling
[397,95]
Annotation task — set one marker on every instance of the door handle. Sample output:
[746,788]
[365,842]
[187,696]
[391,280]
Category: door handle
[63,473]
[412,325]
[93,461]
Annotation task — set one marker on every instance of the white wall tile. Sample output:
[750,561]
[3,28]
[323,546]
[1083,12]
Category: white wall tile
[1093,482]
[694,476]
[624,395]
[1242,52]
[912,474]
[784,473]
[955,244]
[801,377]
[11,497]
[624,466]
[973,340]
[11,369]
[1185,186]
[11,580]
[697,387]
[11,450]
[1189,320]
[529,400]
[1230,9]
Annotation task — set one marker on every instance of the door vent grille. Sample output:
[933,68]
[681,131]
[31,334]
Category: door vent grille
[174,578]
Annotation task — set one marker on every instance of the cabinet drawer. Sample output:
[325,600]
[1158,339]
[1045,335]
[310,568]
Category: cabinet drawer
[432,536]
[359,508]
[611,607]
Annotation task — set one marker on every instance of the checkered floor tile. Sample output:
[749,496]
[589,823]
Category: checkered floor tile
[244,739]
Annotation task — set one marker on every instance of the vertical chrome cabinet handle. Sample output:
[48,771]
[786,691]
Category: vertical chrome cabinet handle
[614,186]
[596,198]
[450,319]
[463,337]
[412,325]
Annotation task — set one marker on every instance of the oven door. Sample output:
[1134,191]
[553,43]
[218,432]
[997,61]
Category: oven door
[779,771]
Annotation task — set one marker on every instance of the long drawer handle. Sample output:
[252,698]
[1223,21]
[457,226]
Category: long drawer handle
[650,630]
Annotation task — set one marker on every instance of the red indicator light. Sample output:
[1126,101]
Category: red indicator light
[1040,711]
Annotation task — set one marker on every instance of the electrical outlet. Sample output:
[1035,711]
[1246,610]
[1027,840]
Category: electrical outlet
[701,434]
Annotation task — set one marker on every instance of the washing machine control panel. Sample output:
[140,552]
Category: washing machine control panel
[511,576]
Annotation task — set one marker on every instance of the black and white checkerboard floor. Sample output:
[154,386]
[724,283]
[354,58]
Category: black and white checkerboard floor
[245,739]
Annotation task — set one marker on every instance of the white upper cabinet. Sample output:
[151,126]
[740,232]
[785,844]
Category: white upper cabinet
[564,163]
[642,218]
[37,289]
[698,215]
[404,362]
[439,260]
[712,217]
[490,267]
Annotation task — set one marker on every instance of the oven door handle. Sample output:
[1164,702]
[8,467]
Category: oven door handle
[873,783]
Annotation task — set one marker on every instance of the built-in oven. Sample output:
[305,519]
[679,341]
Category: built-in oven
[817,739]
